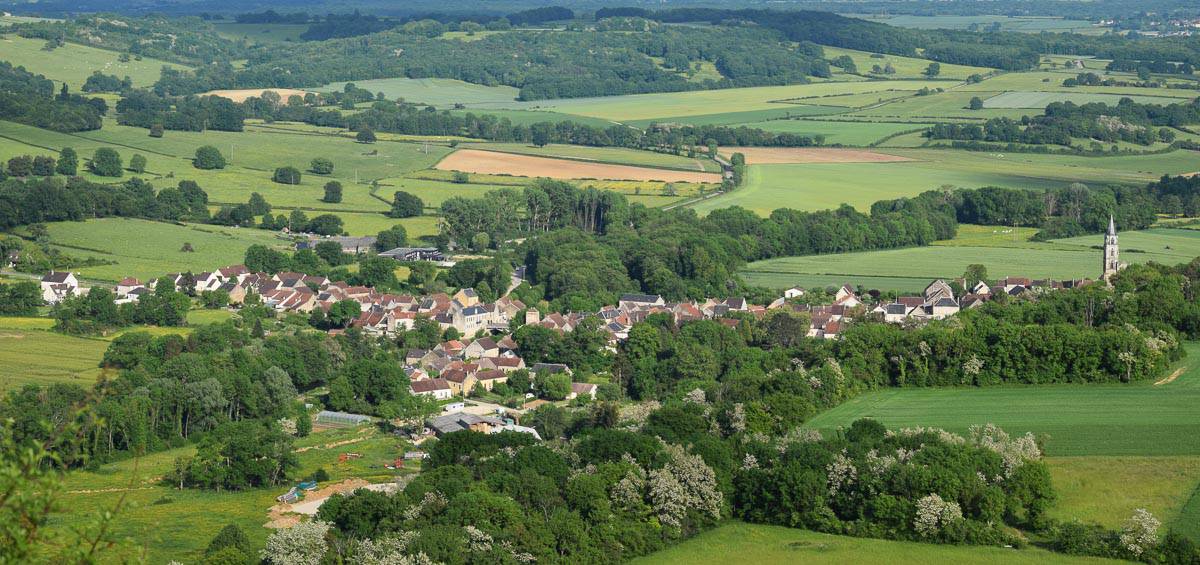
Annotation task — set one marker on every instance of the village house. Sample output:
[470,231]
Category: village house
[439,388]
[59,285]
[582,389]
[414,254]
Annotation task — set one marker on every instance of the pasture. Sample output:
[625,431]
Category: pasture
[260,33]
[740,542]
[1004,254]
[820,186]
[73,63]
[1107,490]
[441,92]
[837,132]
[1039,100]
[491,162]
[175,524]
[1137,419]
[796,155]
[146,249]
[707,102]
[906,67]
[31,355]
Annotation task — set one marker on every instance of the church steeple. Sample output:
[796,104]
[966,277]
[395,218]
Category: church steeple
[1112,257]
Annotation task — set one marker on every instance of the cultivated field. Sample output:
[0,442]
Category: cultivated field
[782,155]
[73,63]
[1039,100]
[613,155]
[1138,419]
[490,162]
[751,543]
[146,249]
[243,94]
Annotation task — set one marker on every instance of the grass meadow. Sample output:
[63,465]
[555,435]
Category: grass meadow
[906,67]
[739,542]
[73,63]
[440,92]
[822,186]
[260,33]
[1039,100]
[146,249]
[177,524]
[1004,251]
[673,105]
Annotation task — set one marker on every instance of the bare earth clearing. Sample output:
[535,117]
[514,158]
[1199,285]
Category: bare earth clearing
[494,163]
[241,95]
[779,155]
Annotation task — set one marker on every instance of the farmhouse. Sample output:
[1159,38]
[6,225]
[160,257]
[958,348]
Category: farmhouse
[350,245]
[414,254]
[439,389]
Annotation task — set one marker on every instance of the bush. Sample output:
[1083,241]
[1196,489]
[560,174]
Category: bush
[156,130]
[106,162]
[333,192]
[365,136]
[137,164]
[460,178]
[208,158]
[287,175]
[321,166]
[405,205]
[68,162]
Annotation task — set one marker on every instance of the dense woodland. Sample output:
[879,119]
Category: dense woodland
[30,99]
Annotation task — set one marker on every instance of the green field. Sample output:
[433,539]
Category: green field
[441,92]
[906,67]
[1029,24]
[177,524]
[826,185]
[38,356]
[660,106]
[617,155]
[739,542]
[1107,490]
[73,63]
[261,33]
[1039,100]
[1138,419]
[1004,254]
[843,133]
[146,249]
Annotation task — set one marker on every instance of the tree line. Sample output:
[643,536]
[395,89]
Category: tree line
[30,99]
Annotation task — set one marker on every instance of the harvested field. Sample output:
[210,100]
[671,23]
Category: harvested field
[781,155]
[241,95]
[491,162]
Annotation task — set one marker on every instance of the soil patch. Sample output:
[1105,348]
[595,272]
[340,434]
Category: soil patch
[241,95]
[496,163]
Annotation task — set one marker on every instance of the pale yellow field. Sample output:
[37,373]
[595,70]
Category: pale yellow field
[495,163]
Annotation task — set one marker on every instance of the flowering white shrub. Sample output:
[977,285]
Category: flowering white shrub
[1140,532]
[302,544]
[737,418]
[684,483]
[1014,451]
[934,514]
[696,396]
[841,473]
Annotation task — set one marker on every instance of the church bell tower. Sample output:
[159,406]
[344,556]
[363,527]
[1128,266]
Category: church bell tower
[1112,258]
